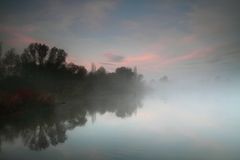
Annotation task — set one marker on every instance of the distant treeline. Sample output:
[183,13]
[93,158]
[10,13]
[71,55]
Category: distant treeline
[41,75]
[38,59]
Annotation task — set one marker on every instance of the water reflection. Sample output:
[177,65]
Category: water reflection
[47,126]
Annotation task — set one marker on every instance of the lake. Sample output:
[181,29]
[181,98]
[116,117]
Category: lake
[166,123]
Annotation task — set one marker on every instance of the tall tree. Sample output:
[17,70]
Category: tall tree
[11,60]
[52,57]
[42,53]
[82,71]
[101,71]
[32,50]
[26,58]
[61,57]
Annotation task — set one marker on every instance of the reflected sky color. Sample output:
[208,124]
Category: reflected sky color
[190,124]
[158,36]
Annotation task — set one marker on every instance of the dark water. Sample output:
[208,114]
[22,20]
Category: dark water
[175,124]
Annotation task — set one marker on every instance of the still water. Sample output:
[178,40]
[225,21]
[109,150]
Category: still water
[163,124]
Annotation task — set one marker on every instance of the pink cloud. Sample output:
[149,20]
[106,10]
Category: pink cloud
[142,58]
[146,62]
[196,54]
[151,62]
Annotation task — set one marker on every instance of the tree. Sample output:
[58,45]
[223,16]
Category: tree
[101,71]
[61,57]
[52,57]
[72,68]
[26,58]
[38,53]
[42,53]
[82,71]
[11,57]
[124,72]
[11,61]
[32,50]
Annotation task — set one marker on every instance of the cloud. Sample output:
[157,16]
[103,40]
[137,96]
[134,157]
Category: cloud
[153,63]
[142,58]
[113,57]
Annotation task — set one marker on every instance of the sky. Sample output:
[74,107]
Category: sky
[177,38]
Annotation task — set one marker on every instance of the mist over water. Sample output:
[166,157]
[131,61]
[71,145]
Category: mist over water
[171,120]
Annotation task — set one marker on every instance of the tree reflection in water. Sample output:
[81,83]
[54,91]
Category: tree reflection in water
[47,126]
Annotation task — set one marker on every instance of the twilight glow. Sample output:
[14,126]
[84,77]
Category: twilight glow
[158,36]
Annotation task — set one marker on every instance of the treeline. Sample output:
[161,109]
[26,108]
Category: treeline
[39,57]
[42,74]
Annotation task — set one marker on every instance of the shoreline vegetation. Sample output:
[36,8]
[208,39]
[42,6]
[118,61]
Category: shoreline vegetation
[40,77]
[42,96]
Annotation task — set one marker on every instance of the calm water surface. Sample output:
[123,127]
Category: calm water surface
[171,124]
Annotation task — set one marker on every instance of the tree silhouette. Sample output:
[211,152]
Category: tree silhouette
[26,58]
[41,76]
[61,57]
[42,53]
[51,62]
[101,71]
[73,68]
[11,62]
[125,72]
[32,48]
[82,71]
[11,58]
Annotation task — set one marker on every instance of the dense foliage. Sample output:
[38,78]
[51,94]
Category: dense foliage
[41,76]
